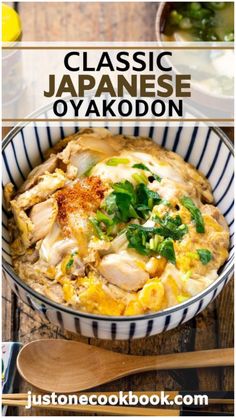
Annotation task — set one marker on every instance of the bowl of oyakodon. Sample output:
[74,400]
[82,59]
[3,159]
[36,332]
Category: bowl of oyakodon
[117,233]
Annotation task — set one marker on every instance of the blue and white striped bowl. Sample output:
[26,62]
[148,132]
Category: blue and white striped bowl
[208,149]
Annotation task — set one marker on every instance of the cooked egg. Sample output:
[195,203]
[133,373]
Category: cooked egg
[120,238]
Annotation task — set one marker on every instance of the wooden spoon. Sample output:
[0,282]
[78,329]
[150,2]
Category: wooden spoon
[68,366]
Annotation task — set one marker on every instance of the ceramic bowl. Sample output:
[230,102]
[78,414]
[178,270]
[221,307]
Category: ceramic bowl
[208,149]
[199,94]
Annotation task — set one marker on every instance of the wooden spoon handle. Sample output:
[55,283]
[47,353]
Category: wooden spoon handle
[195,359]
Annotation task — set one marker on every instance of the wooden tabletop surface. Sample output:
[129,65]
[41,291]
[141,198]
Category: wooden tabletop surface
[214,326]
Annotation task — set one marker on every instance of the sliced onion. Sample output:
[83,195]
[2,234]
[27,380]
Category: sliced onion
[84,161]
[97,144]
[119,243]
[54,247]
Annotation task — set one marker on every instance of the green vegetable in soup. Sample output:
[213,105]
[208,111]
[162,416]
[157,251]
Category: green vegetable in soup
[201,21]
[216,5]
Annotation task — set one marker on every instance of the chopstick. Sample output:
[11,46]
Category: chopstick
[118,410]
[111,410]
[215,399]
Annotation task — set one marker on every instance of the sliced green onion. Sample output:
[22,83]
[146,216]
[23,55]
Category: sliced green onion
[140,178]
[70,263]
[95,224]
[102,217]
[116,161]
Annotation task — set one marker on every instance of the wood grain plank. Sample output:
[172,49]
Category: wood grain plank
[88,21]
[206,337]
[8,302]
[225,330]
[214,327]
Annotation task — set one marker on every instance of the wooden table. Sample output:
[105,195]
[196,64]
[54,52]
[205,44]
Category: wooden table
[214,326]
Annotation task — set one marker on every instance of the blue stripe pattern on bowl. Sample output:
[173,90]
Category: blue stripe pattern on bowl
[208,149]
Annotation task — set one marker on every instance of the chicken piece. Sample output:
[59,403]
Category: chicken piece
[156,265]
[31,273]
[96,249]
[54,292]
[24,224]
[215,213]
[48,183]
[200,182]
[117,142]
[43,216]
[17,248]
[101,132]
[8,195]
[71,148]
[72,265]
[90,139]
[12,229]
[48,166]
[60,145]
[30,256]
[54,246]
[194,286]
[71,172]
[124,271]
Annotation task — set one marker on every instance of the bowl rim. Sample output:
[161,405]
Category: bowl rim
[110,318]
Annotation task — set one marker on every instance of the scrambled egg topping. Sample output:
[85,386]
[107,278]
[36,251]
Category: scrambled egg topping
[116,225]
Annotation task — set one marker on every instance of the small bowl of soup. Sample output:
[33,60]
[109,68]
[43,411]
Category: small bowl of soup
[195,21]
[202,22]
